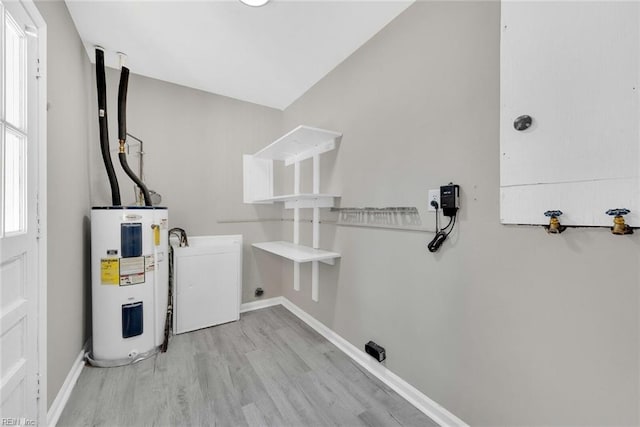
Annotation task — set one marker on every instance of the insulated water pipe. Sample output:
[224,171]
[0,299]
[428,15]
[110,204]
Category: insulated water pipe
[104,127]
[122,132]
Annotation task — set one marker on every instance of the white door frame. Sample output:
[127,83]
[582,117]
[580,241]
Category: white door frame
[41,204]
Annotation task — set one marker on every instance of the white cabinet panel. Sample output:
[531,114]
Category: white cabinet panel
[527,201]
[573,67]
[257,179]
[208,282]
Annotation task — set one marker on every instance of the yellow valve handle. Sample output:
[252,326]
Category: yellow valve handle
[156,234]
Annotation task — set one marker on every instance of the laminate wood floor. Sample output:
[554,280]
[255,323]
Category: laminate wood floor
[268,369]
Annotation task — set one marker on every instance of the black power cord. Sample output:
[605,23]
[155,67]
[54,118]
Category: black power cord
[441,234]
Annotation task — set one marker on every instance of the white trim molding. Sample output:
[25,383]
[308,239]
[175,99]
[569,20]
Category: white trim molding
[41,188]
[414,396]
[257,305]
[53,415]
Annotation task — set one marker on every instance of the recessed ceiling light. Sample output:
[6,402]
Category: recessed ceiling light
[255,3]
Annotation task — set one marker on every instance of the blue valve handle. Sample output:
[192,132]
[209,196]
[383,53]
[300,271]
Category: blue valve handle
[617,212]
[553,214]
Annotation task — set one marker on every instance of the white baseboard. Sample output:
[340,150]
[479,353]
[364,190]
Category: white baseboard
[53,415]
[418,399]
[257,305]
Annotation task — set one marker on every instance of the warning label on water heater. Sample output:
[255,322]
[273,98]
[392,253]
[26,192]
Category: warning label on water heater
[110,271]
[149,262]
[131,270]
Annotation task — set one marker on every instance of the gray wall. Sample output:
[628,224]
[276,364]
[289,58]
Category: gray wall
[68,194]
[505,325]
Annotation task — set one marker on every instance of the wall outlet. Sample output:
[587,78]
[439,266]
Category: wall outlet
[434,195]
[376,351]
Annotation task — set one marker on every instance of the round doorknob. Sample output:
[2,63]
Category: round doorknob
[522,123]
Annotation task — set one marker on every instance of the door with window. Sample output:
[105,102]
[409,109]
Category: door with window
[19,391]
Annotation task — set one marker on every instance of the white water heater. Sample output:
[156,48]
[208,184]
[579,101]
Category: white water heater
[130,280]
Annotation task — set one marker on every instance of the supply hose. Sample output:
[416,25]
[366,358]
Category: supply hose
[135,179]
[181,234]
[122,135]
[169,318]
[104,128]
[183,242]
[122,104]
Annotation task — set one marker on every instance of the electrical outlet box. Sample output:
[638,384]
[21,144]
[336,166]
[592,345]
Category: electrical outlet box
[376,351]
[434,195]
[450,199]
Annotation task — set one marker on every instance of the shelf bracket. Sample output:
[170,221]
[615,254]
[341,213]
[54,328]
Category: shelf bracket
[316,228]
[314,281]
[296,276]
[296,210]
[318,149]
[320,202]
[316,174]
[316,210]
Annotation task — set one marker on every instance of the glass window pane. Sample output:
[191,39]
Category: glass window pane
[14,182]
[14,73]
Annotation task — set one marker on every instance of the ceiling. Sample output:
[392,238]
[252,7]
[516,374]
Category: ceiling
[267,55]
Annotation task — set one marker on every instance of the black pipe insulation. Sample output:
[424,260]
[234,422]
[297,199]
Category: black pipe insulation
[168,321]
[122,104]
[122,134]
[104,128]
[135,179]
[183,241]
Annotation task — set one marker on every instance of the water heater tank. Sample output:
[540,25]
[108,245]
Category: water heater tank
[129,282]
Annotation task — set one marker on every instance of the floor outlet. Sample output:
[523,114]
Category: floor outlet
[433,195]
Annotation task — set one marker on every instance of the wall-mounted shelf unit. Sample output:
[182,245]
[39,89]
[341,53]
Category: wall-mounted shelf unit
[304,142]
[301,143]
[298,253]
[304,200]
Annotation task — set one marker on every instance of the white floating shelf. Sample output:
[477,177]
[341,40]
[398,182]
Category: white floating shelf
[303,200]
[297,253]
[301,143]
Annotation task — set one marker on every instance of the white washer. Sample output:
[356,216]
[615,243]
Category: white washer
[207,282]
